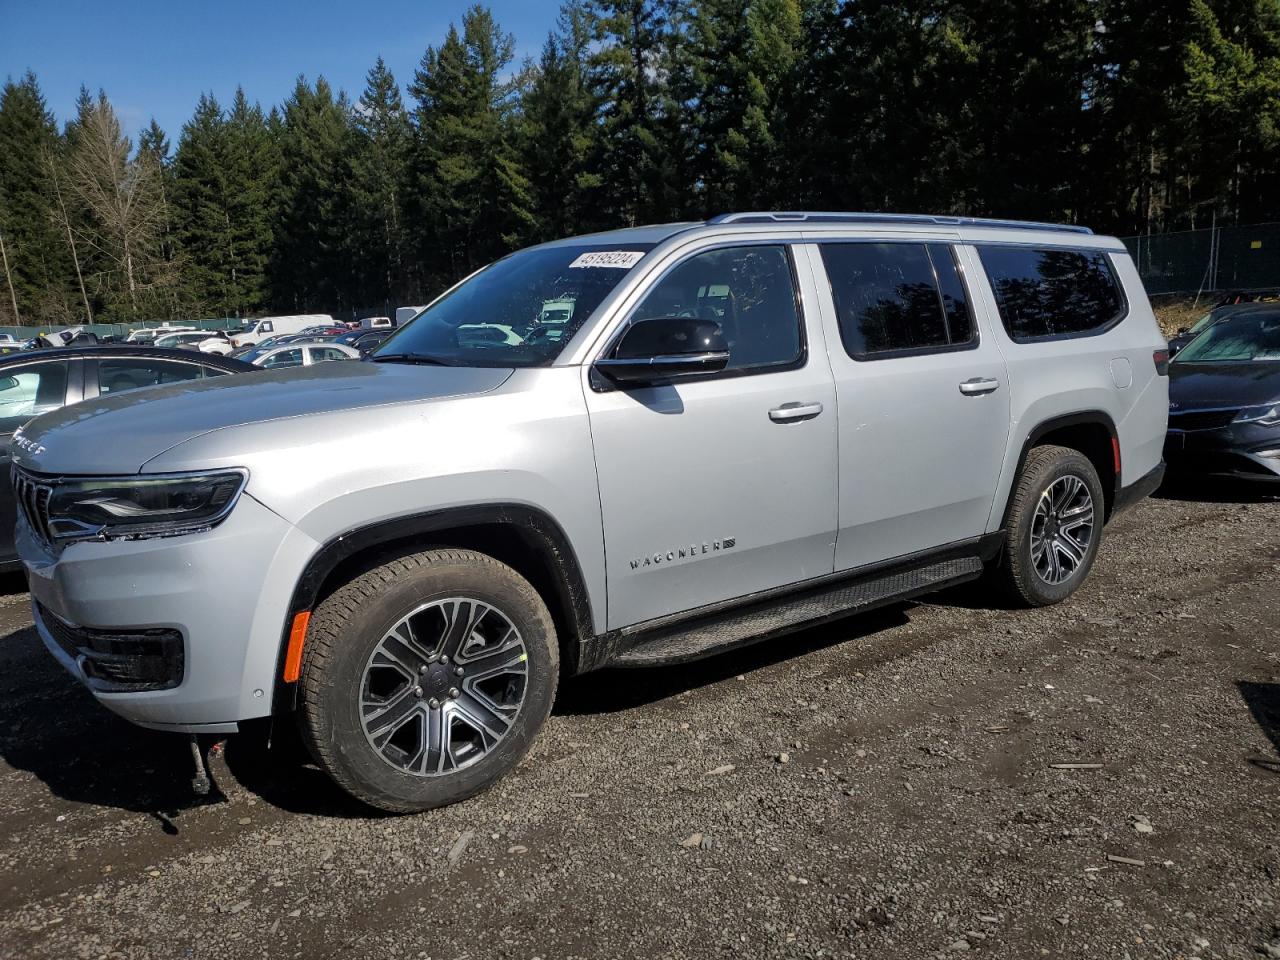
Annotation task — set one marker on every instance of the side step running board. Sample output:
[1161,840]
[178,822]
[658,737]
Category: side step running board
[740,627]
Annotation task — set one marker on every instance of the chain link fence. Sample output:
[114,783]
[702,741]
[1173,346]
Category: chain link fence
[1218,258]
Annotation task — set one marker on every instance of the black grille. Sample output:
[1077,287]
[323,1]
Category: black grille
[1201,419]
[33,500]
[116,661]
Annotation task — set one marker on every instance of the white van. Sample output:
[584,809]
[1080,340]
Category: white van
[265,327]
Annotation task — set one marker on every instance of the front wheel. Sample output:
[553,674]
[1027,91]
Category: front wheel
[1054,526]
[426,679]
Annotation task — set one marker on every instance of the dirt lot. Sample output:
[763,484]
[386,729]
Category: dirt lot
[878,788]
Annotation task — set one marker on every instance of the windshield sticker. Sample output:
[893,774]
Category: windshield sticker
[618,259]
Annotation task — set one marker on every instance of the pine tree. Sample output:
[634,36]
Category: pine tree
[473,193]
[560,132]
[377,188]
[1232,104]
[201,218]
[154,149]
[745,55]
[38,286]
[310,270]
[251,168]
[628,159]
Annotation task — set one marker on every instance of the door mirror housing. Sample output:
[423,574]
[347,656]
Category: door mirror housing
[663,349]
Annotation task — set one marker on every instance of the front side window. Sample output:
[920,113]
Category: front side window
[897,298]
[749,291]
[1052,293]
[512,313]
[117,376]
[29,391]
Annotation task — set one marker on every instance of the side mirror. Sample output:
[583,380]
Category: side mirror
[1182,330]
[1174,347]
[665,349]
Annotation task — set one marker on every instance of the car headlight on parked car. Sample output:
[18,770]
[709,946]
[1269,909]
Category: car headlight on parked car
[1267,416]
[137,507]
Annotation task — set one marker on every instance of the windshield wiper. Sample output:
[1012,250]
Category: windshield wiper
[410,358]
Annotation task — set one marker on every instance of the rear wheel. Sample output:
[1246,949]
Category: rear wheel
[427,678]
[1054,526]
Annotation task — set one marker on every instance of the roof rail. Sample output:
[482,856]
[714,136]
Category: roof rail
[917,218]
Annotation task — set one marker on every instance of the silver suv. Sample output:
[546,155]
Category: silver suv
[734,429]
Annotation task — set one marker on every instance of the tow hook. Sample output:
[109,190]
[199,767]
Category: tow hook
[200,783]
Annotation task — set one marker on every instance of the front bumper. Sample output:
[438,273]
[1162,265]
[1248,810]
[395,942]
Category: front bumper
[180,633]
[1244,450]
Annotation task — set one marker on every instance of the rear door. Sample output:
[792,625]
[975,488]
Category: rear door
[922,393]
[725,486]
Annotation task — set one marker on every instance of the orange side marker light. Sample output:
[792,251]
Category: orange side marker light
[293,655]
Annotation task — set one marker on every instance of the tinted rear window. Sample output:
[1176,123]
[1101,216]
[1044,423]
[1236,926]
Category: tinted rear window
[894,298]
[1052,293]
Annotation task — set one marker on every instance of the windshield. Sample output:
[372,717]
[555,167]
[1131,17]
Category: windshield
[517,312]
[1240,339]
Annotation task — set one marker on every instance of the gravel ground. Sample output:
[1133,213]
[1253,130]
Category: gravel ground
[882,787]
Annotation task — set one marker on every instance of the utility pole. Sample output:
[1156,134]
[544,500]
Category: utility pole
[17,318]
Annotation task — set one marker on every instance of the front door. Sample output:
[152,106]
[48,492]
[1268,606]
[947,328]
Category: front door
[724,486]
[923,399]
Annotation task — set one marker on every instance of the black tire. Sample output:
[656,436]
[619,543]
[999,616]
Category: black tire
[349,626]
[1019,575]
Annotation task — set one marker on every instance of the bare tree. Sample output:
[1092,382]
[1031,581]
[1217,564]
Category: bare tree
[122,198]
[17,317]
[64,221]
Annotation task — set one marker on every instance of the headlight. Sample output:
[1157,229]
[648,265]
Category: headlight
[159,506]
[1268,416]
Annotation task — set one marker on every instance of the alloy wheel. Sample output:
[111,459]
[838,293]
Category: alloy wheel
[1062,530]
[443,686]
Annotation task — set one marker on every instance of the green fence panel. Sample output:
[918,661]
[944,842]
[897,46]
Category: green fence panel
[1216,259]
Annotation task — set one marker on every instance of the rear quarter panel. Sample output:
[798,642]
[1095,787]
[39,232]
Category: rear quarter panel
[1111,372]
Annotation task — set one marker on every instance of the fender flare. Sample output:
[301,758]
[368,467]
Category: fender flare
[1083,417]
[534,527]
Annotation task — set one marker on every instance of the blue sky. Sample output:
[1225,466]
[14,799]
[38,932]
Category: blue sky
[156,58]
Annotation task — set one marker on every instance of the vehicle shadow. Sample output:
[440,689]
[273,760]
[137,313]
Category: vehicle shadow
[52,728]
[613,690]
[1217,490]
[268,759]
[12,583]
[1263,701]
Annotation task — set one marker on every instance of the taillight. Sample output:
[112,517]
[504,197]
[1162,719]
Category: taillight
[1161,360]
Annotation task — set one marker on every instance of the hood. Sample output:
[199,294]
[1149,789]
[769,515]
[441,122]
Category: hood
[1203,386]
[119,434]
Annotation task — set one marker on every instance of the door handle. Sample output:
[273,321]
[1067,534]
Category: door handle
[978,386]
[796,410]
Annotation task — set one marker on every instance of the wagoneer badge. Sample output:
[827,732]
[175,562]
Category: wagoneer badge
[30,446]
[692,552]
